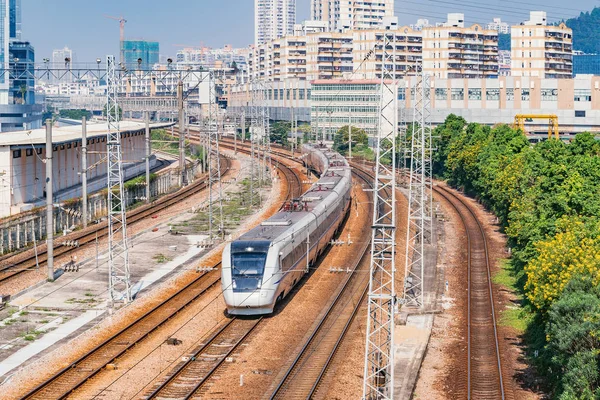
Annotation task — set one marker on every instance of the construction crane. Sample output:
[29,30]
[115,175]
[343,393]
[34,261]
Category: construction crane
[552,123]
[122,22]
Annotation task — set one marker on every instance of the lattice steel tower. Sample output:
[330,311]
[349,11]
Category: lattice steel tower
[379,366]
[420,219]
[119,283]
[214,161]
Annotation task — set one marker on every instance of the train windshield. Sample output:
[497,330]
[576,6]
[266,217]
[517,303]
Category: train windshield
[247,270]
[248,259]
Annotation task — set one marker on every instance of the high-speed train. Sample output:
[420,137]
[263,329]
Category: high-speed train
[263,265]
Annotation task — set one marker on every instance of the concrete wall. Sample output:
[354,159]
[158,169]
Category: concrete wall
[19,232]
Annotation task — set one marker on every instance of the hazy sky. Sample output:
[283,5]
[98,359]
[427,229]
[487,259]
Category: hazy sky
[80,24]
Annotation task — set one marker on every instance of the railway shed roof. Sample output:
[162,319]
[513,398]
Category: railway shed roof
[69,133]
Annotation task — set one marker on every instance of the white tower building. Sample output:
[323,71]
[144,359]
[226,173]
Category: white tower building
[273,19]
[344,15]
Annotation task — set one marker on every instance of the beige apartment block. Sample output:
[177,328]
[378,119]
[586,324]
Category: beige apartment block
[541,50]
[405,47]
[321,55]
[452,50]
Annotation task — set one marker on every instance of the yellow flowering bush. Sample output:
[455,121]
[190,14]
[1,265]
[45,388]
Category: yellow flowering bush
[573,251]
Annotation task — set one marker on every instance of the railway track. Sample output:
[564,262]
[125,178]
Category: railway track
[484,378]
[69,379]
[26,261]
[66,381]
[305,375]
[190,376]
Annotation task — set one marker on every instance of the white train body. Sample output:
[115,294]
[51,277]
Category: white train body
[263,265]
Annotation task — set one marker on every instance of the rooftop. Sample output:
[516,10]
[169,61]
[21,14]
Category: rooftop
[69,133]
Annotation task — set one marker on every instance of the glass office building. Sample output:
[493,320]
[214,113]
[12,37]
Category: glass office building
[586,64]
[133,50]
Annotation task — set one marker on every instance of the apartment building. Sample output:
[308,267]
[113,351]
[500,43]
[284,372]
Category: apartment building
[347,15]
[452,50]
[541,50]
[273,19]
[406,46]
[321,55]
[354,54]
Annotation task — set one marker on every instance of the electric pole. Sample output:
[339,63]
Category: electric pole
[49,203]
[183,177]
[379,349]
[84,193]
[148,153]
[119,282]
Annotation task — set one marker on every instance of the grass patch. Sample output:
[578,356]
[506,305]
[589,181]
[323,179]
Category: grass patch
[31,336]
[505,276]
[89,294]
[24,313]
[161,258]
[74,300]
[44,321]
[516,318]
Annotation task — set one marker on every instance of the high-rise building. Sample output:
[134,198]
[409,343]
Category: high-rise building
[351,15]
[273,19]
[136,50]
[18,110]
[451,50]
[541,50]
[15,19]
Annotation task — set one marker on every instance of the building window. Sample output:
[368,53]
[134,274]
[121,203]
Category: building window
[474,94]
[276,93]
[28,152]
[457,94]
[524,94]
[308,94]
[301,94]
[510,94]
[492,94]
[294,94]
[549,94]
[580,113]
[16,153]
[401,93]
[281,94]
[287,94]
[38,150]
[583,95]
[441,94]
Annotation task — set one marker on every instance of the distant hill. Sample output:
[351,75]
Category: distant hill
[586,31]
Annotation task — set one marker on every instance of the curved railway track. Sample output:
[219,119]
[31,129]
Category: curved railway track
[66,381]
[27,261]
[484,378]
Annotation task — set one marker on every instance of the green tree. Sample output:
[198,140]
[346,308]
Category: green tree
[279,132]
[574,341]
[342,138]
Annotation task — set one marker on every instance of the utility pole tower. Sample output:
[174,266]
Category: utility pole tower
[214,161]
[379,365]
[420,219]
[256,128]
[266,133]
[119,283]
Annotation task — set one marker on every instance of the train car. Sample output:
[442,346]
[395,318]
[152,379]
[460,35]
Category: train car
[263,265]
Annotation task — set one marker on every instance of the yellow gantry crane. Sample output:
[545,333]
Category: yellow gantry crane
[552,123]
